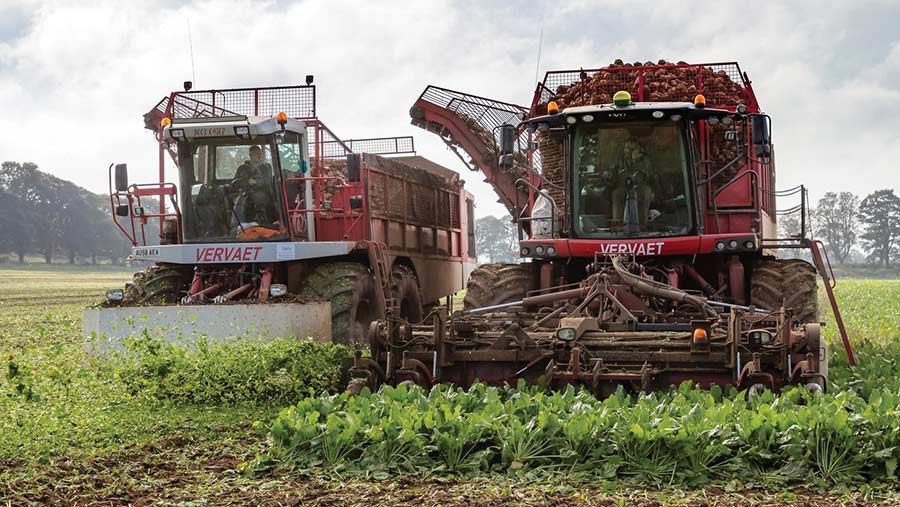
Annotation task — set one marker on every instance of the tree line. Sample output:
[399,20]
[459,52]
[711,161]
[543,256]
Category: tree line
[43,215]
[854,230]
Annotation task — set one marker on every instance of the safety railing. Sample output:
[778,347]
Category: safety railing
[799,239]
[401,145]
[708,79]
[323,205]
[754,188]
[136,210]
[482,116]
[531,221]
[297,101]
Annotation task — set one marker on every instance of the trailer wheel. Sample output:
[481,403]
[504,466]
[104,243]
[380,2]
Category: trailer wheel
[791,282]
[405,291]
[350,288]
[158,284]
[495,284]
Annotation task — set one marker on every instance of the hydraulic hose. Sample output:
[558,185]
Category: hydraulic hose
[647,288]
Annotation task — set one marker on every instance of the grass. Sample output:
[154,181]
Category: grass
[61,402]
[72,433]
[870,309]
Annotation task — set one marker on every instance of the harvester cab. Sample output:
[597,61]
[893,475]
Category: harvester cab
[635,168]
[231,172]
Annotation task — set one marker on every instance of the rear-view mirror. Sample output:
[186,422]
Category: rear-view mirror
[762,137]
[353,167]
[508,136]
[121,178]
[760,127]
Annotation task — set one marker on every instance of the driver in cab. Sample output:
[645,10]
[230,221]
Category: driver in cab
[253,182]
[253,171]
[632,183]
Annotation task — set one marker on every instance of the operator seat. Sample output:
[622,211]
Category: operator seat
[212,206]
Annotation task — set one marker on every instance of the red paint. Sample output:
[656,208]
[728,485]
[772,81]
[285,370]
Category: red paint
[684,245]
[823,262]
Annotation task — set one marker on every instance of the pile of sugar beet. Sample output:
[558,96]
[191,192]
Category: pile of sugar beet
[663,81]
[671,84]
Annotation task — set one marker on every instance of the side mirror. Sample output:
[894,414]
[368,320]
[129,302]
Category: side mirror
[122,210]
[353,167]
[760,128]
[121,178]
[508,135]
[762,138]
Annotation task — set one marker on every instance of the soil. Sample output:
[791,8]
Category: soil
[179,471]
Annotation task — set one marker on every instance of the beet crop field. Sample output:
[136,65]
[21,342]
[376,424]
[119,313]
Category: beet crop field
[265,424]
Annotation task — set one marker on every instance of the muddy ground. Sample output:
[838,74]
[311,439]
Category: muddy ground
[181,472]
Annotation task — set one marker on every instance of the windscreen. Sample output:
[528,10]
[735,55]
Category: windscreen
[230,191]
[631,180]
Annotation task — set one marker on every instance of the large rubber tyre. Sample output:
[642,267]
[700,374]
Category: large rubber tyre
[791,282]
[350,287]
[158,284]
[405,290]
[496,284]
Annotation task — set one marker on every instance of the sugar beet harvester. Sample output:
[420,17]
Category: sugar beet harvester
[644,197]
[271,207]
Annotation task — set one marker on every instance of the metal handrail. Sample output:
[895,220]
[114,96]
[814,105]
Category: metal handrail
[317,211]
[554,211]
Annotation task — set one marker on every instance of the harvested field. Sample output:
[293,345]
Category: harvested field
[73,432]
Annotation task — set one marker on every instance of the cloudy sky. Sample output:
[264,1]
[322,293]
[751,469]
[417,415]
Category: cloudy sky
[75,77]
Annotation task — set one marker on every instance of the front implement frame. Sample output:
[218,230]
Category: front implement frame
[571,344]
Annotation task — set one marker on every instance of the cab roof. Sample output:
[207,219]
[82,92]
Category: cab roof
[634,106]
[226,127]
[635,110]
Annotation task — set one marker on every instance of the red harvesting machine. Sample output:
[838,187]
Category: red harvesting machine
[268,205]
[644,196]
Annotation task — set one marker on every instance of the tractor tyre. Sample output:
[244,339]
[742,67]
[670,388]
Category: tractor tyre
[158,284]
[405,290]
[350,287]
[495,284]
[788,282]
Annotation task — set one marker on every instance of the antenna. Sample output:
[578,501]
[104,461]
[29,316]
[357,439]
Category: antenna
[191,46]
[537,67]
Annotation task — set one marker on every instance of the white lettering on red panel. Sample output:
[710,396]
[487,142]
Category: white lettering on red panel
[227,253]
[632,248]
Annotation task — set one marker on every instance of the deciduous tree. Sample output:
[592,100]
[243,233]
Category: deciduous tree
[496,239]
[15,232]
[879,213]
[836,223]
